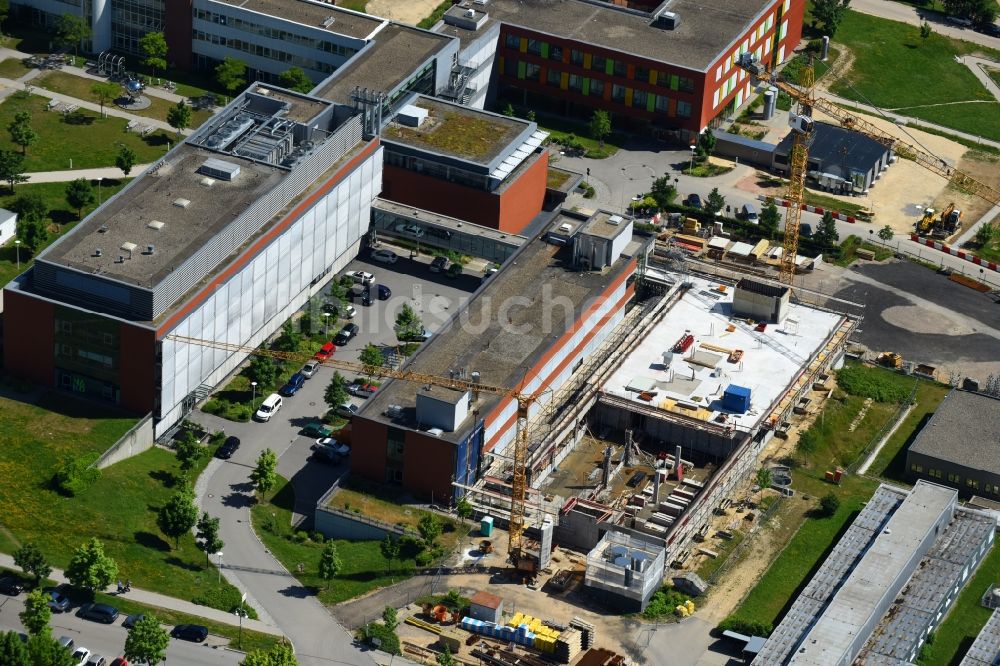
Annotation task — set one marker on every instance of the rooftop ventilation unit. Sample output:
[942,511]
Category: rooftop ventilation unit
[129,247]
[206,182]
[155,225]
[219,169]
[182,203]
[616,220]
[471,13]
[565,227]
[150,249]
[98,252]
[411,116]
[481,3]
[668,21]
[103,229]
[328,21]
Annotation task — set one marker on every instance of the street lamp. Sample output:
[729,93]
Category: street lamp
[17,246]
[326,324]
[691,166]
[100,179]
[219,554]
[253,395]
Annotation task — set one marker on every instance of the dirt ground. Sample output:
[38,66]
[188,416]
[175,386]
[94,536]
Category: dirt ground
[405,11]
[983,167]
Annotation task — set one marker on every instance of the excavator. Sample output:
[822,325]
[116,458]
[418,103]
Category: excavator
[802,126]
[949,223]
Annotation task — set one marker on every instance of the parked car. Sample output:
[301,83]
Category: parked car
[226,451]
[131,620]
[292,386]
[120,661]
[11,586]
[97,660]
[422,336]
[309,369]
[99,613]
[332,444]
[195,633]
[58,602]
[440,264]
[384,293]
[67,643]
[348,311]
[347,410]
[346,334]
[385,256]
[326,455]
[361,390]
[80,656]
[693,201]
[325,352]
[317,429]
[749,213]
[414,230]
[268,408]
[362,277]
[805,230]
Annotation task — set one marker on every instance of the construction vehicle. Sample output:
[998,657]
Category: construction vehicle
[890,360]
[802,124]
[519,460]
[949,223]
[926,222]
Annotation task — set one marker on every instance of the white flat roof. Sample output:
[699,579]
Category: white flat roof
[771,359]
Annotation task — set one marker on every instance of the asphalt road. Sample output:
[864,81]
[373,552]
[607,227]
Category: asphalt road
[224,489]
[109,640]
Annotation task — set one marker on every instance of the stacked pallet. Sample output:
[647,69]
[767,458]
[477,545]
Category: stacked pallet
[568,646]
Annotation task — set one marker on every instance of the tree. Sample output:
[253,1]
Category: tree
[262,370]
[763,479]
[430,529]
[371,357]
[13,651]
[925,30]
[12,168]
[886,233]
[706,145]
[90,568]
[289,340]
[329,563]
[80,194]
[125,160]
[4,11]
[36,614]
[208,534]
[189,451]
[147,642]
[714,202]
[508,110]
[179,514]
[464,509]
[829,13]
[179,116]
[408,323]
[600,126]
[826,236]
[104,92]
[264,475]
[280,655]
[769,219]
[389,618]
[154,47]
[31,212]
[21,131]
[829,504]
[231,74]
[336,391]
[530,116]
[29,557]
[985,234]
[296,79]
[445,658]
[71,30]
[390,548]
[981,12]
[44,650]
[663,191]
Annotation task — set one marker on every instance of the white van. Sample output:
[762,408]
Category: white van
[268,408]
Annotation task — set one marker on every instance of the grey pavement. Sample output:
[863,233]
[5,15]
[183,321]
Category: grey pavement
[224,489]
[979,66]
[170,603]
[906,13]
[109,173]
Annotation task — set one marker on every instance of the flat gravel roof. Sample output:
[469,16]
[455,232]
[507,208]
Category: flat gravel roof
[965,430]
[315,14]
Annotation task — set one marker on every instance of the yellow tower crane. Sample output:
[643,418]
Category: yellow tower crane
[519,485]
[802,125]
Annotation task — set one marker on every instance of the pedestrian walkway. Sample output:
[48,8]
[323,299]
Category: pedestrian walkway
[106,173]
[169,603]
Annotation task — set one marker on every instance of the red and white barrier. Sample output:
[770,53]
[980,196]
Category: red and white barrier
[784,203]
[961,254]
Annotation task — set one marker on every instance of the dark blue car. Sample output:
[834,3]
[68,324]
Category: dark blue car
[295,382]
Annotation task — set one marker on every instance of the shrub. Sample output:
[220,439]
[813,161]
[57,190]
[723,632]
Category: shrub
[808,440]
[828,505]
[301,536]
[387,638]
[744,626]
[317,537]
[75,475]
[871,383]
[226,599]
[663,603]
[424,558]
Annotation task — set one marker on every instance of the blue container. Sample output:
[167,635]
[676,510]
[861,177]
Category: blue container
[736,399]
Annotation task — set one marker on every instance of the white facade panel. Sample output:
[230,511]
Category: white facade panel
[256,301]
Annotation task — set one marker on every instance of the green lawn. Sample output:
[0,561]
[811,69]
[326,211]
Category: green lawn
[356,5]
[559,128]
[920,68]
[955,635]
[79,87]
[364,568]
[890,463]
[89,141]
[119,509]
[61,219]
[13,68]
[435,15]
[850,246]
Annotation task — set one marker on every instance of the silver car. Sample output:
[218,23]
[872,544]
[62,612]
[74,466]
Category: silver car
[310,369]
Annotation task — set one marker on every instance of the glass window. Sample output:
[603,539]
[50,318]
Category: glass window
[598,63]
[553,77]
[576,57]
[513,41]
[639,98]
[618,93]
[534,47]
[641,74]
[620,68]
[683,109]
[575,82]
[597,88]
[662,103]
[687,84]
[555,52]
[532,72]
